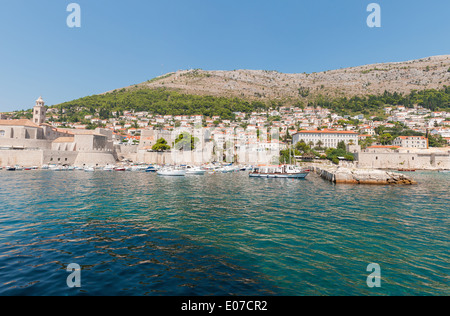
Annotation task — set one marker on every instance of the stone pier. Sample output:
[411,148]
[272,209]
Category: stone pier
[362,176]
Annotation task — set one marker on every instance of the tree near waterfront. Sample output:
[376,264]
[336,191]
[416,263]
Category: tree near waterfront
[161,145]
[185,141]
[333,154]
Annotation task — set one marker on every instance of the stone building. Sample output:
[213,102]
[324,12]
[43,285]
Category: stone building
[35,143]
[394,157]
[411,142]
[326,138]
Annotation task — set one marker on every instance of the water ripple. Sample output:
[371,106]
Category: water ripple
[225,234]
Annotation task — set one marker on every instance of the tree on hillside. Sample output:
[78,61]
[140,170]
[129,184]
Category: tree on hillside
[437,141]
[386,139]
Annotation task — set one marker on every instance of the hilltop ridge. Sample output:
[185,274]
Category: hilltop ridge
[402,77]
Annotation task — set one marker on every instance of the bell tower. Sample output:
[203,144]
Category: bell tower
[39,111]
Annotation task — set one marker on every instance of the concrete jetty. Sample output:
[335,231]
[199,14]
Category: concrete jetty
[362,176]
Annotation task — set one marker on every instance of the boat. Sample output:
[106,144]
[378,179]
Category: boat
[444,171]
[407,170]
[108,168]
[119,169]
[151,169]
[30,168]
[228,169]
[138,168]
[9,168]
[246,168]
[195,170]
[284,171]
[172,172]
[89,169]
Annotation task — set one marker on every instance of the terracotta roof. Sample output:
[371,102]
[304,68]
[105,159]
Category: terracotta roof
[380,146]
[21,122]
[407,137]
[328,131]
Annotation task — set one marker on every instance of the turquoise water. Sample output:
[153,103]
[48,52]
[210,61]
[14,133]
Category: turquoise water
[224,234]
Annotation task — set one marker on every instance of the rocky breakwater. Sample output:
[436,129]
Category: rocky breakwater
[363,176]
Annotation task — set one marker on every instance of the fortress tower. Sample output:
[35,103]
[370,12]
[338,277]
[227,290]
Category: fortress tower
[39,111]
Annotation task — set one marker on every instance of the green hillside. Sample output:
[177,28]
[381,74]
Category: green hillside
[166,102]
[157,101]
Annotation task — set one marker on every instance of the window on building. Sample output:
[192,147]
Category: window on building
[2,133]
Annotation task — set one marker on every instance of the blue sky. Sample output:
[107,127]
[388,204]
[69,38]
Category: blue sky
[126,42]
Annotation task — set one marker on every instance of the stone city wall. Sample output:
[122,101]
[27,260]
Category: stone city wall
[396,160]
[26,158]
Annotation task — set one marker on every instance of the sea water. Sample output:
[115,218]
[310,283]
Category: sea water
[137,233]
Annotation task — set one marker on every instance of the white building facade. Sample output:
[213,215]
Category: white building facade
[326,138]
[411,142]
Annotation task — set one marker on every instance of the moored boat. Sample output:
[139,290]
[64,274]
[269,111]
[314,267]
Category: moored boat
[195,170]
[108,168]
[172,172]
[151,169]
[285,171]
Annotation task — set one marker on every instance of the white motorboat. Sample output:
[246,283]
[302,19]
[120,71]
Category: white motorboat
[89,169]
[227,169]
[195,170]
[285,171]
[58,168]
[171,172]
[138,168]
[108,168]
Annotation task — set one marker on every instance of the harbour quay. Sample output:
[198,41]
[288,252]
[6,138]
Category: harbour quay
[341,175]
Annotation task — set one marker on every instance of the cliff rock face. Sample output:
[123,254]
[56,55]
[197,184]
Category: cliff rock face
[402,77]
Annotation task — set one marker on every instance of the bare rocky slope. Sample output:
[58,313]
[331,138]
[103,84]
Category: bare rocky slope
[402,77]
